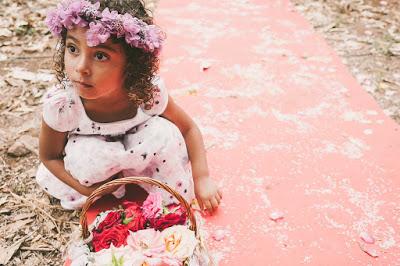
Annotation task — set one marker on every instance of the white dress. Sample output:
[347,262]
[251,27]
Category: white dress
[145,145]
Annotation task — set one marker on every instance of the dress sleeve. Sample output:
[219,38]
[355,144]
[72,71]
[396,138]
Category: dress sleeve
[160,98]
[60,110]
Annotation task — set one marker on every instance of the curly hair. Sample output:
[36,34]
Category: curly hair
[141,66]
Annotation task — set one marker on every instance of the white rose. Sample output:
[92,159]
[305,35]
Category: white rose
[180,241]
[78,253]
[146,240]
[122,254]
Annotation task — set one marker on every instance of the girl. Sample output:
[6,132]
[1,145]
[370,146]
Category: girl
[111,113]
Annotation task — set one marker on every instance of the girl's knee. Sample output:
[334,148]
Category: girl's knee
[73,202]
[42,176]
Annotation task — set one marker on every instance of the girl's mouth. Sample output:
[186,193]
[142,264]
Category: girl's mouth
[82,85]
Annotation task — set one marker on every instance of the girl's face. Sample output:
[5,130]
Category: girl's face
[96,72]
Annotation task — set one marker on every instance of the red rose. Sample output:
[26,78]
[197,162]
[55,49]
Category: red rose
[128,204]
[176,215]
[134,218]
[115,235]
[112,218]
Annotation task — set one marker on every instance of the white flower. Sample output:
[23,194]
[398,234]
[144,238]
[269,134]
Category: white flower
[78,253]
[123,255]
[148,241]
[180,241]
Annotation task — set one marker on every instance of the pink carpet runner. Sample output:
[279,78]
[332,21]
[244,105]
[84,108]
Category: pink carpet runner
[289,132]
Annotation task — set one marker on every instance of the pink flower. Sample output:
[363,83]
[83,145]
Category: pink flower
[81,13]
[71,15]
[130,24]
[165,260]
[153,38]
[132,27]
[96,34]
[91,11]
[107,16]
[152,206]
[53,21]
[113,22]
[150,243]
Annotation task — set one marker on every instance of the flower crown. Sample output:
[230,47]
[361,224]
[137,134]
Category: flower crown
[102,25]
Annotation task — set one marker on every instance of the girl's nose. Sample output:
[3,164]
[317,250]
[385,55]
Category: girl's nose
[83,67]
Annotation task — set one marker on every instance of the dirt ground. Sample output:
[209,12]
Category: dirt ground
[33,227]
[366,35]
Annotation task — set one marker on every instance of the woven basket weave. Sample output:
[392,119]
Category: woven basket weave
[200,252]
[112,185]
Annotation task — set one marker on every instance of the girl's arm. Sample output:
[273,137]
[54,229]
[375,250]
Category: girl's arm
[51,147]
[207,193]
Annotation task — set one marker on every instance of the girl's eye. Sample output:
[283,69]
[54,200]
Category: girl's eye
[72,49]
[101,56]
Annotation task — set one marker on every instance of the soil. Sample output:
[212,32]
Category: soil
[34,229]
[366,35]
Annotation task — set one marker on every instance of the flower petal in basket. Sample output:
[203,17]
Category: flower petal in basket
[115,235]
[180,242]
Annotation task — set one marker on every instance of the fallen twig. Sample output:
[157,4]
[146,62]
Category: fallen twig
[40,209]
[37,249]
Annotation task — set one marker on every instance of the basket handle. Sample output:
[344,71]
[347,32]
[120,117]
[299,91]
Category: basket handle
[109,186]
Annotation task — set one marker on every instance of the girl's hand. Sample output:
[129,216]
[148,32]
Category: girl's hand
[207,193]
[87,191]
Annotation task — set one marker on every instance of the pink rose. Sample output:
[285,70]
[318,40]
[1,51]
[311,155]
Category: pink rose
[152,206]
[163,261]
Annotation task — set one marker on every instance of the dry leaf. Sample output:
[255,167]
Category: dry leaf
[23,216]
[29,142]
[49,225]
[395,49]
[205,65]
[15,226]
[20,73]
[3,57]
[7,253]
[369,249]
[5,211]
[38,47]
[276,216]
[218,235]
[15,82]
[5,33]
[367,238]
[3,200]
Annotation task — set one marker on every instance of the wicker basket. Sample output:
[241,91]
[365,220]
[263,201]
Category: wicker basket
[201,249]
